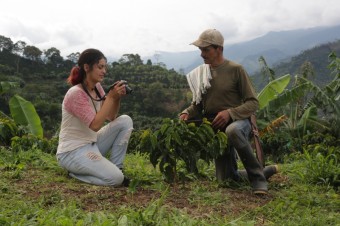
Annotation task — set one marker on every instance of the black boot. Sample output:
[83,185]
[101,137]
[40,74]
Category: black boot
[254,170]
[268,171]
[126,181]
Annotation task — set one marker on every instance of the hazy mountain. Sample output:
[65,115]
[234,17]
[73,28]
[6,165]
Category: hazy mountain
[274,46]
[317,59]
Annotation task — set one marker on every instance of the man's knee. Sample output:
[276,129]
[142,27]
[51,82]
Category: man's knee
[233,131]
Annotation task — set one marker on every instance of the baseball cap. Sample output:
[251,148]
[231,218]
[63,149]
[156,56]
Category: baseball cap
[209,37]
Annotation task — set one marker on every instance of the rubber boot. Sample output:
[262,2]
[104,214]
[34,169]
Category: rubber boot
[226,165]
[268,171]
[254,170]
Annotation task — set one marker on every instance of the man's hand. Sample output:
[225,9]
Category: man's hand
[221,120]
[184,116]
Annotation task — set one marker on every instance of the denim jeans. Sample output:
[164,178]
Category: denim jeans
[238,133]
[101,163]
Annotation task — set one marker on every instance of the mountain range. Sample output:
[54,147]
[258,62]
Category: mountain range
[275,47]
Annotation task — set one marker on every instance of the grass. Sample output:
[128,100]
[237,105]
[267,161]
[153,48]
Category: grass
[36,191]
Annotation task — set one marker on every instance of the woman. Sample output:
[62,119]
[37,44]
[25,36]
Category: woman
[91,152]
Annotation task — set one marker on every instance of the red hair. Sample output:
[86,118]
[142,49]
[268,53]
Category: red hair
[74,78]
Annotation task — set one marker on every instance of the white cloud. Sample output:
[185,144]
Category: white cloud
[144,27]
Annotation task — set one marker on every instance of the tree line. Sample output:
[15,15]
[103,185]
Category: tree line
[157,91]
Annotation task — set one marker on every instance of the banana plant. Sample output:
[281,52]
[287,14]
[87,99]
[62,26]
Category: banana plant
[304,99]
[272,90]
[310,118]
[22,111]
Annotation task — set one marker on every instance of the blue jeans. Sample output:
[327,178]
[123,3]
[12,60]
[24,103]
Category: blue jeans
[238,134]
[101,163]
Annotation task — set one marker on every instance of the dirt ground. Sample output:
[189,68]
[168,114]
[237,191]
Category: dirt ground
[97,198]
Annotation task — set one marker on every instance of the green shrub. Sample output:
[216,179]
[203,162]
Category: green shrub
[29,141]
[277,145]
[8,129]
[322,165]
[320,138]
[176,142]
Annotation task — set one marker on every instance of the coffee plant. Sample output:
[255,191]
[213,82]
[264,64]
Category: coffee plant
[177,141]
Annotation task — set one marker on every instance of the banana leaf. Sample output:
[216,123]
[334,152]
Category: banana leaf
[272,90]
[24,113]
[310,118]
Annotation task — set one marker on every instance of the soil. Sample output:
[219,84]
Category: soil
[97,198]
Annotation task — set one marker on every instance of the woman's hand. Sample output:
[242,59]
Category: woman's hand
[111,105]
[117,91]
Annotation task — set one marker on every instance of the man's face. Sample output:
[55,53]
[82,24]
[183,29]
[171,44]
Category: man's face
[209,54]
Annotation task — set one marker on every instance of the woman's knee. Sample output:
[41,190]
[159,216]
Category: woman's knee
[116,179]
[125,120]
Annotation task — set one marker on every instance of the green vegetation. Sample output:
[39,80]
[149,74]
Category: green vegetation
[178,142]
[36,191]
[171,162]
[314,60]
[41,75]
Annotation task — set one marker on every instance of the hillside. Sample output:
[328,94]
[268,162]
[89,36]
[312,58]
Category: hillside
[316,57]
[274,46]
[157,92]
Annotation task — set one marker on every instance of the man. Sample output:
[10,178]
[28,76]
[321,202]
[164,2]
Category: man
[222,90]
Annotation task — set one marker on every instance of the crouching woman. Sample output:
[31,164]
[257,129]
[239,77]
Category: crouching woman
[90,149]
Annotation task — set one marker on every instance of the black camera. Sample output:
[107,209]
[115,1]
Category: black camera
[128,89]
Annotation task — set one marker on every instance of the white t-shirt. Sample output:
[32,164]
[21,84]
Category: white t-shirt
[78,111]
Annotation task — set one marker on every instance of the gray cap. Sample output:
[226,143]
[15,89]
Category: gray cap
[209,37]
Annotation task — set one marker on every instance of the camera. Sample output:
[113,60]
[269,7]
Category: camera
[128,89]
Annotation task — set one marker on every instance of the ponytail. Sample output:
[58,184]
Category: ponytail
[75,76]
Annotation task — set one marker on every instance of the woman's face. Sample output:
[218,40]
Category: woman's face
[98,71]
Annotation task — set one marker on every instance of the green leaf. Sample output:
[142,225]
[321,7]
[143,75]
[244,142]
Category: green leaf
[270,91]
[164,128]
[6,86]
[153,140]
[24,113]
[207,130]
[154,157]
[177,138]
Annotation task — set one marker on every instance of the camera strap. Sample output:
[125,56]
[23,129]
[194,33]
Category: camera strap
[97,93]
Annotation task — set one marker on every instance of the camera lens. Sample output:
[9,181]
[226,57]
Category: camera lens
[128,89]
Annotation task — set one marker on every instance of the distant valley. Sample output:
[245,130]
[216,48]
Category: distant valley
[275,47]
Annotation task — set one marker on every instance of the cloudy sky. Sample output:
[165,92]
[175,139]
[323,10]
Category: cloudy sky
[146,26]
